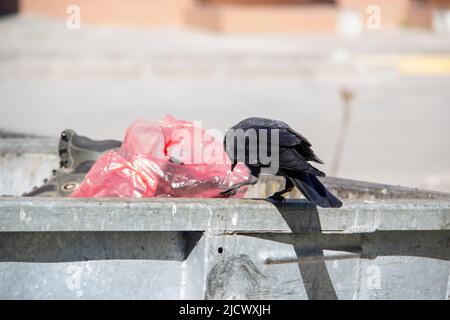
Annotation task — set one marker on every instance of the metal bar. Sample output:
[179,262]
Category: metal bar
[313,259]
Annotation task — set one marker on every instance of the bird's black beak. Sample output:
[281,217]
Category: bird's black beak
[232,166]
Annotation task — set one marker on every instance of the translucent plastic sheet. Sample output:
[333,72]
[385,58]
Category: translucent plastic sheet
[168,158]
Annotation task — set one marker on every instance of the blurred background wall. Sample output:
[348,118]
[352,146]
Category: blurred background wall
[130,12]
[374,74]
[245,15]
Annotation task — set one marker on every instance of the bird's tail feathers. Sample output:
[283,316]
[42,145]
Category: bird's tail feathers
[315,191]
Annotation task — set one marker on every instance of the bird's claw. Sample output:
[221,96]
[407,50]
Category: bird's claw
[229,192]
[278,198]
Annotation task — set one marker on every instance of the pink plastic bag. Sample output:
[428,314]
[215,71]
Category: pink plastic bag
[168,158]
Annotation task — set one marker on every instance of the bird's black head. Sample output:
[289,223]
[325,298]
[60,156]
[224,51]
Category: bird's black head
[229,149]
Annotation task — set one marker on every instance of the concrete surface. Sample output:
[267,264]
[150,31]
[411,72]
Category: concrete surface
[98,79]
[346,189]
[218,215]
[213,249]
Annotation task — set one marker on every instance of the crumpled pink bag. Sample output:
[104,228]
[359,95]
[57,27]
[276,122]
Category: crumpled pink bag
[168,158]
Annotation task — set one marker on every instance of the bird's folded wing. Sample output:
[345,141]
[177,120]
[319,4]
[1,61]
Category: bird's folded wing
[291,160]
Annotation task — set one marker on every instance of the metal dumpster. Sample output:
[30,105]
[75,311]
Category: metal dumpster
[385,243]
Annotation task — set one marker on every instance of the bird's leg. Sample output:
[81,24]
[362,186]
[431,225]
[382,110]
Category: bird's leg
[233,189]
[278,196]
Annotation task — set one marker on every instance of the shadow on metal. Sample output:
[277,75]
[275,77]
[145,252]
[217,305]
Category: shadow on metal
[316,278]
[84,246]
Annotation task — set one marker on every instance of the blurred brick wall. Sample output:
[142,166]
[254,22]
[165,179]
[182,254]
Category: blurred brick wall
[438,3]
[117,12]
[271,2]
[261,18]
[273,16]
[395,13]
[420,14]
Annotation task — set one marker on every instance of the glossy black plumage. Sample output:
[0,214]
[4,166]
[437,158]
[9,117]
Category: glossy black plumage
[294,152]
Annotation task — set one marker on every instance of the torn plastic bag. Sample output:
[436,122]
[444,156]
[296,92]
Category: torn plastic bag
[168,158]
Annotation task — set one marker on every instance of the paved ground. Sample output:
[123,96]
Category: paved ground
[97,80]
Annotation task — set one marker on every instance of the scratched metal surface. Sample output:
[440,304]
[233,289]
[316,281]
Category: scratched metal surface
[210,249]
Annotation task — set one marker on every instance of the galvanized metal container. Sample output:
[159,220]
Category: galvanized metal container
[385,243]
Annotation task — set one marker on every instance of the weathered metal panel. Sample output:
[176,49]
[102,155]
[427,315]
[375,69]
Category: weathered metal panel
[164,254]
[388,245]
[219,215]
